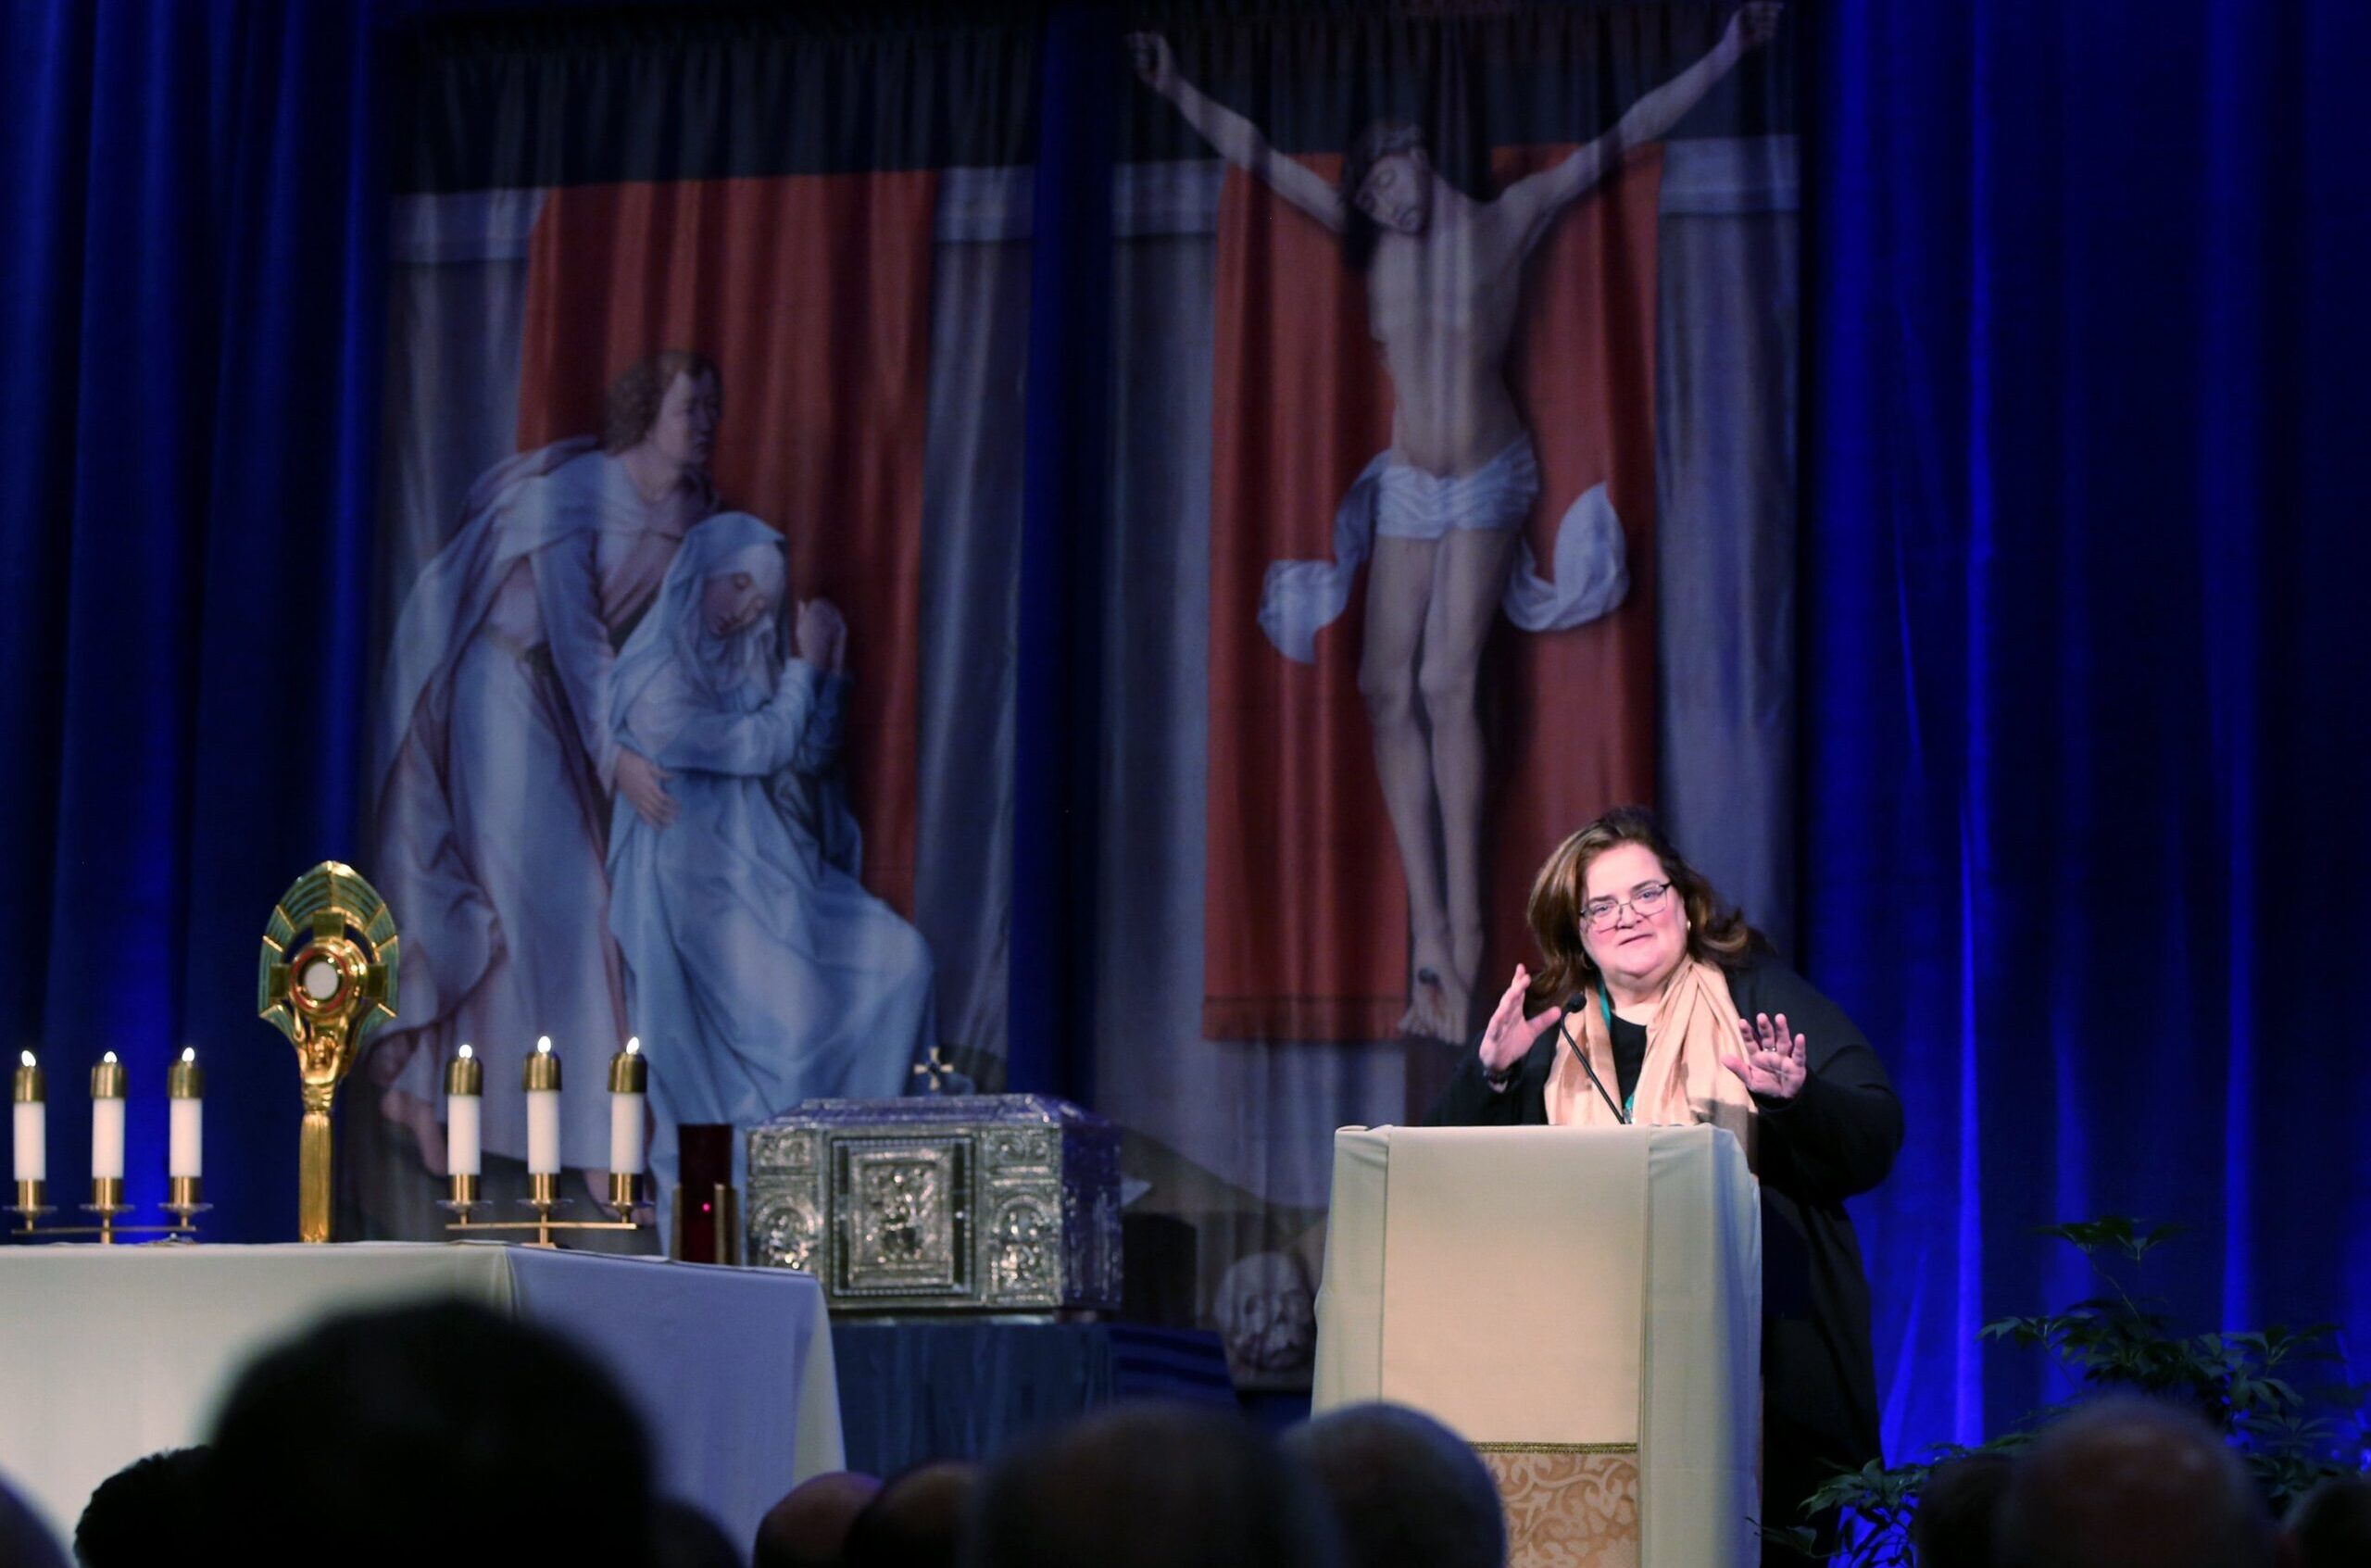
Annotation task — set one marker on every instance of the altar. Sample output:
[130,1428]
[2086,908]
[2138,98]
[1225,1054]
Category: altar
[109,1353]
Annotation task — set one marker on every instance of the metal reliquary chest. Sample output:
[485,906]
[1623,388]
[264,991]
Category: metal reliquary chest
[1002,1203]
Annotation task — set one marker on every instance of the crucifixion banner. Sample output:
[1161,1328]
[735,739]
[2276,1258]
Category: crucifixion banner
[1454,477]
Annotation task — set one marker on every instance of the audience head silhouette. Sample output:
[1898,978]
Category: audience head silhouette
[916,1520]
[810,1526]
[440,1433]
[1955,1525]
[2331,1525]
[1408,1492]
[150,1512]
[684,1534]
[25,1541]
[1151,1487]
[2129,1482]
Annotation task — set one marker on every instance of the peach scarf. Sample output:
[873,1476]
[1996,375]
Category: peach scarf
[1682,1080]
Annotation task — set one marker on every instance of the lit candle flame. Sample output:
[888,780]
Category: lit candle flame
[543,1045]
[634,1044]
[28,1056]
[467,1053]
[189,1053]
[110,1057]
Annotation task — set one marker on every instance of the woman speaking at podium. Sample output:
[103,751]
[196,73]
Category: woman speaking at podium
[1671,1011]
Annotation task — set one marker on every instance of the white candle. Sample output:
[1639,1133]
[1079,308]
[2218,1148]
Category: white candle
[31,1121]
[464,1084]
[542,1083]
[629,1081]
[107,1119]
[186,1089]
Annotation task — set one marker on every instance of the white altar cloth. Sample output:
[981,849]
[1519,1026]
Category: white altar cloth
[107,1353]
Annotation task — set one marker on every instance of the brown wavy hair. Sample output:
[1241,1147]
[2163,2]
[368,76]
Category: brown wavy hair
[635,395]
[1717,933]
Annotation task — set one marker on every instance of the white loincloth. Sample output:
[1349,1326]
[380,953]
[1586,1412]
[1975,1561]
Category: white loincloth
[1397,500]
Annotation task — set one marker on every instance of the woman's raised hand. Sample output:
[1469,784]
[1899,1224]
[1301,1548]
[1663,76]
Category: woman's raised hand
[1773,1063]
[1509,1035]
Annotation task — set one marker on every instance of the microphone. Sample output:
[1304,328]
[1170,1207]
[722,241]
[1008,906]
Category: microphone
[1582,1056]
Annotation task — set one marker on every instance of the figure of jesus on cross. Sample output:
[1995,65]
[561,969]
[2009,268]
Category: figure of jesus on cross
[1443,272]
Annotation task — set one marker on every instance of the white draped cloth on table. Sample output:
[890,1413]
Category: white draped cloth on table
[112,1353]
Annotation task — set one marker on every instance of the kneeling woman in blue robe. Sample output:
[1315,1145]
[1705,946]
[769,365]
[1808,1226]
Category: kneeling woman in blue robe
[760,971]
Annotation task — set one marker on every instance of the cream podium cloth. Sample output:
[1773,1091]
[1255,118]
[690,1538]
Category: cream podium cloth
[1582,1304]
[107,1353]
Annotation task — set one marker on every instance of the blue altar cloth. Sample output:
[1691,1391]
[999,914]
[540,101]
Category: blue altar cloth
[911,1391]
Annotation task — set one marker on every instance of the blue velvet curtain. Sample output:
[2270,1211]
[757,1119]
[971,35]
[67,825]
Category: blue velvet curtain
[189,286]
[2084,848]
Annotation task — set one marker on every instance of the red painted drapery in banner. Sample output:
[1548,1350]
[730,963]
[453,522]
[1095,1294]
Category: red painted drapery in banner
[812,292]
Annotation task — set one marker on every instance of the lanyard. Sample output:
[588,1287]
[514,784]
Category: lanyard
[1630,1100]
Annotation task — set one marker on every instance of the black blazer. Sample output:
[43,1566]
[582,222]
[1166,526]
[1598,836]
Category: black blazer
[1836,1139]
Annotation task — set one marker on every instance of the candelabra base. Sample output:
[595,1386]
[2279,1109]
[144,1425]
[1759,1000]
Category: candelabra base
[544,1200]
[29,1208]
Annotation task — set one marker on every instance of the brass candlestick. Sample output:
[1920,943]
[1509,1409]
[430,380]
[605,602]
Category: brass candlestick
[107,1084]
[183,1201]
[464,1100]
[107,1202]
[32,1202]
[540,1075]
[30,1087]
[325,996]
[543,1198]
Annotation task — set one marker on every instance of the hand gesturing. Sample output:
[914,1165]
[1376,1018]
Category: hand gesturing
[1508,1035]
[1772,1064]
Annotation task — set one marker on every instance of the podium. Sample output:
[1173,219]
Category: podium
[1583,1305]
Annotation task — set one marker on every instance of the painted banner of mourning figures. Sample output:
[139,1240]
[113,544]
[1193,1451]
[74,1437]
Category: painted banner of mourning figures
[1449,425]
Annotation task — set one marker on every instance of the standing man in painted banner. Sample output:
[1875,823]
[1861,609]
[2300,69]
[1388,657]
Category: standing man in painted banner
[1443,509]
[496,765]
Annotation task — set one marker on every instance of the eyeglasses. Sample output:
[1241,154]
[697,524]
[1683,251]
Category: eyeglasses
[1601,913]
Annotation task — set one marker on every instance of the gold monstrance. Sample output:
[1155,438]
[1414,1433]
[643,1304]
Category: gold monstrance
[325,996]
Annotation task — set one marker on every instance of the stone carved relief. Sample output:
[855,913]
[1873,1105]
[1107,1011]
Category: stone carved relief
[1021,1249]
[904,1227]
[786,1233]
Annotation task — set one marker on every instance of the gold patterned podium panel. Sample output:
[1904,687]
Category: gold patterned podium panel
[1569,1505]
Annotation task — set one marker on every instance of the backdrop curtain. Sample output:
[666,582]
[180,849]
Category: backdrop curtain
[2083,846]
[190,303]
[2080,844]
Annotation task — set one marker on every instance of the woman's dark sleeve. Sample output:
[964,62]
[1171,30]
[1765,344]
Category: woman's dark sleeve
[1470,1101]
[1838,1136]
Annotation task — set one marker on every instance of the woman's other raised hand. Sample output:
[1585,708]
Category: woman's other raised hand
[1509,1035]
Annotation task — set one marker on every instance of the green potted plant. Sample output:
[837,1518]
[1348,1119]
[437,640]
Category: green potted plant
[2243,1383]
